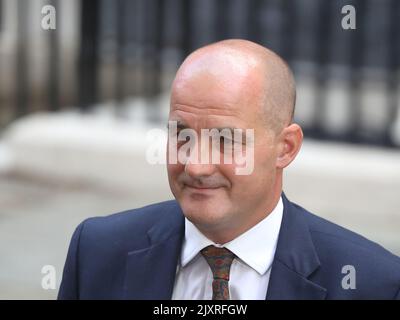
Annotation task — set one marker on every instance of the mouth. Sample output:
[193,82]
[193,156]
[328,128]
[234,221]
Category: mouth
[201,189]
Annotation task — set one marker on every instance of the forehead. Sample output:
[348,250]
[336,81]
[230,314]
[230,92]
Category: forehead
[207,100]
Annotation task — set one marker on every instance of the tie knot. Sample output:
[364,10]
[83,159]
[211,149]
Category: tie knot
[219,260]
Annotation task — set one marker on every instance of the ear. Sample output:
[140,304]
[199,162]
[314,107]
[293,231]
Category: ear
[290,140]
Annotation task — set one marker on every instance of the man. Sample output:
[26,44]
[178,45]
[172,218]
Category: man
[228,235]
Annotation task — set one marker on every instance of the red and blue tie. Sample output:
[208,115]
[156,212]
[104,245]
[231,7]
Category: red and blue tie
[220,261]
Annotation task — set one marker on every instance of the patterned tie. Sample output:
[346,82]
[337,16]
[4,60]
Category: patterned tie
[219,260]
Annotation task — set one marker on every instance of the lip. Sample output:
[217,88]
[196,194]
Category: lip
[201,189]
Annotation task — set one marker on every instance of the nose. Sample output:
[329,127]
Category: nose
[199,168]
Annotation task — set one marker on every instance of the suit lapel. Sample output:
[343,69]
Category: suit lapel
[295,259]
[150,272]
[286,284]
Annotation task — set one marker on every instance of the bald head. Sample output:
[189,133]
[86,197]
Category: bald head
[246,67]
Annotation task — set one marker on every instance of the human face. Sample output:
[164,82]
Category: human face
[221,203]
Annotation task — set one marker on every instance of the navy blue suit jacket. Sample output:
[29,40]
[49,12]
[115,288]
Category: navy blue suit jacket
[134,255]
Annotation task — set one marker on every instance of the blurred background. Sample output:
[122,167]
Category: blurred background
[77,102]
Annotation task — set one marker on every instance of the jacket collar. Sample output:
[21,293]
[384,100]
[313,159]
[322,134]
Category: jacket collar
[295,259]
[150,272]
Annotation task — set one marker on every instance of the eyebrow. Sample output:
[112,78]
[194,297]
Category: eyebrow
[227,128]
[179,124]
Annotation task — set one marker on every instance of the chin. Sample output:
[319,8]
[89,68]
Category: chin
[208,212]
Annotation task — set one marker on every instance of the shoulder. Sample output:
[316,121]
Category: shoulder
[339,249]
[139,218]
[332,236]
[129,228]
[97,255]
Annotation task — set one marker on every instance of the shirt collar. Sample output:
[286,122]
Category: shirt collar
[256,247]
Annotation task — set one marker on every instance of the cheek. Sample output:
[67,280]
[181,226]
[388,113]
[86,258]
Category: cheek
[228,171]
[265,158]
[262,158]
[261,177]
[174,170]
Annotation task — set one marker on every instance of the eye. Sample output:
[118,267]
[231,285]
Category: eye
[225,144]
[181,142]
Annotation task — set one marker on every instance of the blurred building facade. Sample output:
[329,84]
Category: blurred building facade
[114,50]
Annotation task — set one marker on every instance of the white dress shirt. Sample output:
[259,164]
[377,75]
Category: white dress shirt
[250,270]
